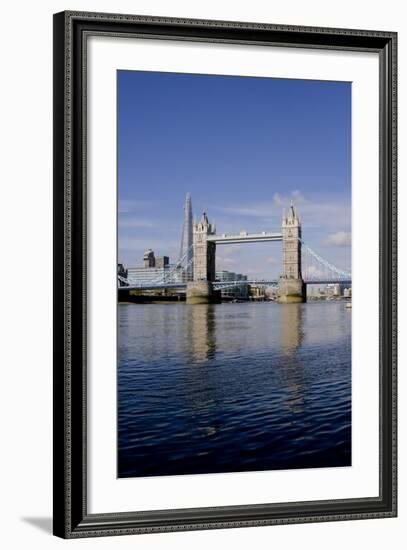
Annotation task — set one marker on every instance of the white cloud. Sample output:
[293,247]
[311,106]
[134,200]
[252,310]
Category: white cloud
[224,263]
[224,256]
[225,251]
[311,271]
[341,238]
[278,200]
[159,245]
[128,206]
[257,210]
[130,223]
[297,197]
[324,212]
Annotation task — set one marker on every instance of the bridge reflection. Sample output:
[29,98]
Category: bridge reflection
[210,329]
[291,328]
[271,333]
[201,331]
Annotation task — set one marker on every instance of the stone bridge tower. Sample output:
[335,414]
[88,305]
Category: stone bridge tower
[204,251]
[291,287]
[200,290]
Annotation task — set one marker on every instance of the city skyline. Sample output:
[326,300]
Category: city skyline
[151,195]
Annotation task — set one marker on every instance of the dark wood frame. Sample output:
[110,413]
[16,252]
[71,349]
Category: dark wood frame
[71,518]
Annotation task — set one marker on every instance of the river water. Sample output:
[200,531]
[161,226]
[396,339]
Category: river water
[233,387]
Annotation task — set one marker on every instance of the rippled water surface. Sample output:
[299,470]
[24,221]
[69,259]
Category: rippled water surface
[233,387]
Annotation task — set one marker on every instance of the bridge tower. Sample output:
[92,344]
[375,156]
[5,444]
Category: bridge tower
[291,287]
[200,291]
[204,251]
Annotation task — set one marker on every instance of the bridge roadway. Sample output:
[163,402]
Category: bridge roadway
[244,237]
[218,284]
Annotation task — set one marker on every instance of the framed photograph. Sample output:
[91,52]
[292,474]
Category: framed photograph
[225,274]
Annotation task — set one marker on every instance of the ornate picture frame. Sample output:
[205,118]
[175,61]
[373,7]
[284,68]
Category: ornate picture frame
[71,516]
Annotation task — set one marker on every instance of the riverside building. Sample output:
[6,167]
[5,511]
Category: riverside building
[238,292]
[156,269]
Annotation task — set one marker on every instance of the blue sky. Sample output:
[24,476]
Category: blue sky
[244,148]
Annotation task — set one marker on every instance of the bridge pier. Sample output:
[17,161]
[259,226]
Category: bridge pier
[202,292]
[291,291]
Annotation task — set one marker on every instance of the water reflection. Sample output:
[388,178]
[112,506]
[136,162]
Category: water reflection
[233,387]
[201,330]
[293,374]
[291,327]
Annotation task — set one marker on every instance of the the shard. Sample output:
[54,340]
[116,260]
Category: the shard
[186,250]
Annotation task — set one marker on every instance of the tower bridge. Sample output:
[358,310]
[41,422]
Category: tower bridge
[291,286]
[195,269]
